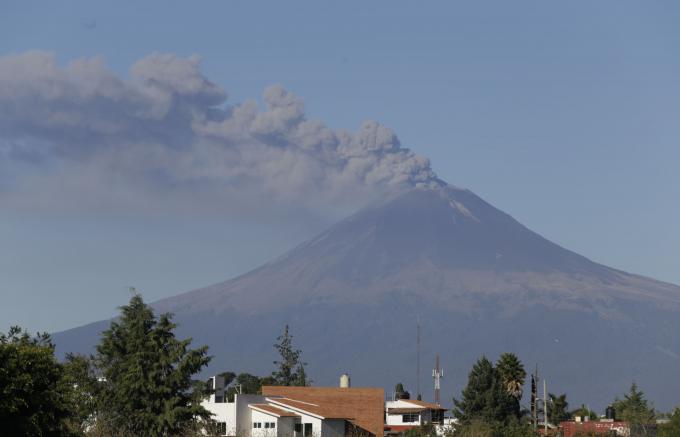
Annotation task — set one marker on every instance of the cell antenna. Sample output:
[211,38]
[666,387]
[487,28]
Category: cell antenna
[437,374]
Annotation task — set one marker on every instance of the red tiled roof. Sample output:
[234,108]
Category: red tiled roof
[363,407]
[315,409]
[271,409]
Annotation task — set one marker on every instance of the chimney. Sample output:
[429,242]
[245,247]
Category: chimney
[345,381]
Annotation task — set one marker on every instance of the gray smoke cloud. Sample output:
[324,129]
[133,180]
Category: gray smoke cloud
[79,136]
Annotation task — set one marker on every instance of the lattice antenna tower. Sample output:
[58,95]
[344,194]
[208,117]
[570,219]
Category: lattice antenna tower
[437,375]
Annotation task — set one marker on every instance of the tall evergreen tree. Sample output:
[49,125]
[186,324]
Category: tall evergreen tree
[147,388]
[289,366]
[302,380]
[487,396]
[634,409]
[476,396]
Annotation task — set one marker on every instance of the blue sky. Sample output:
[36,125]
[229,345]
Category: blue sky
[564,115]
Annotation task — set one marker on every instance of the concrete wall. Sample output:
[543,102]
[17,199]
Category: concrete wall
[333,428]
[285,427]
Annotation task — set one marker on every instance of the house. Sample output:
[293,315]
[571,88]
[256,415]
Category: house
[404,414]
[298,412]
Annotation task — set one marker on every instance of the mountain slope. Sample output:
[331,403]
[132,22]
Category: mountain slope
[480,281]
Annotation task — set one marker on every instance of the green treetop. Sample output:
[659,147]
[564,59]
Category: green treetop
[672,428]
[33,399]
[400,392]
[634,409]
[511,373]
[147,388]
[491,394]
[290,369]
[558,408]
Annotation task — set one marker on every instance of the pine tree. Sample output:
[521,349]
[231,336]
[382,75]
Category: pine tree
[487,396]
[302,380]
[476,396]
[634,409]
[289,366]
[147,388]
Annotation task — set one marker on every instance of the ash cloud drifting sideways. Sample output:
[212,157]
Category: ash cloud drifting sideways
[78,136]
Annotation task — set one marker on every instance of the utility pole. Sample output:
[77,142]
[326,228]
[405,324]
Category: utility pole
[534,398]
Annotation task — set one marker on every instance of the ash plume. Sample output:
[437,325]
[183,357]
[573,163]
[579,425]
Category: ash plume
[78,135]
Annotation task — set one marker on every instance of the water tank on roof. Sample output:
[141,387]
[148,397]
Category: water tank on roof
[344,381]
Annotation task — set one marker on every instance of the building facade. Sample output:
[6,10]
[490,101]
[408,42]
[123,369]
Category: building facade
[298,412]
[404,414]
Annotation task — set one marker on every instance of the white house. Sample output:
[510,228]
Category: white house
[297,411]
[404,414]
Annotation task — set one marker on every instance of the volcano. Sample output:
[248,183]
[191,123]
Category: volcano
[478,281]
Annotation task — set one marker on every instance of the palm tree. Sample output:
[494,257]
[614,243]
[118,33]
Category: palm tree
[558,408]
[512,374]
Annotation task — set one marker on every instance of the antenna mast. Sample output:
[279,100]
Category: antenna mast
[437,374]
[418,359]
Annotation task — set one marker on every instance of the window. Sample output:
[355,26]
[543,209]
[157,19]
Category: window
[222,428]
[257,424]
[308,429]
[270,424]
[298,427]
[410,417]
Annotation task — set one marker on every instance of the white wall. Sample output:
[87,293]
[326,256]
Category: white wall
[235,414]
[244,422]
[223,412]
[259,417]
[396,419]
